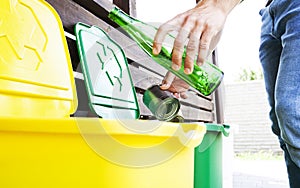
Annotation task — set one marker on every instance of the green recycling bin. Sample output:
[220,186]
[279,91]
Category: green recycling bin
[208,157]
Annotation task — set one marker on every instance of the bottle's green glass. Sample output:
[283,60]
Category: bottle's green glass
[205,78]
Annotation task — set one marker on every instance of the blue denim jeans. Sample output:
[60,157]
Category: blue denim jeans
[280,58]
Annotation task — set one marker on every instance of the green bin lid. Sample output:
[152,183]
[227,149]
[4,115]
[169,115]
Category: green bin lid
[218,127]
[107,77]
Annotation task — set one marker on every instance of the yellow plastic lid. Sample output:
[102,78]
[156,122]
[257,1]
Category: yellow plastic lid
[36,77]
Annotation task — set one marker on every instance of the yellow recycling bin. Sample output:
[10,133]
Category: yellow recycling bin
[36,76]
[41,146]
[94,152]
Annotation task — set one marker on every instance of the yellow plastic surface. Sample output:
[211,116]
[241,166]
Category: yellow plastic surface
[67,153]
[36,77]
[40,149]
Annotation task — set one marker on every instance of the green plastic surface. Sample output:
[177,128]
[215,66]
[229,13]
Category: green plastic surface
[208,157]
[107,77]
[218,127]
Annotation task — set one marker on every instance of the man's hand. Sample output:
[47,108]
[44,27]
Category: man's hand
[200,28]
[175,85]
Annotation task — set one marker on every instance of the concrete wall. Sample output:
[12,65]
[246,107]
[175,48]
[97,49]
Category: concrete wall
[246,109]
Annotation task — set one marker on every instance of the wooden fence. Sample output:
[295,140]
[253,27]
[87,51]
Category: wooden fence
[94,12]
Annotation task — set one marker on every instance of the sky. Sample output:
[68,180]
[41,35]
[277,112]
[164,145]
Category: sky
[238,47]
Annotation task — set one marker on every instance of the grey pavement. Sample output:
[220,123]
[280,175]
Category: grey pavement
[259,174]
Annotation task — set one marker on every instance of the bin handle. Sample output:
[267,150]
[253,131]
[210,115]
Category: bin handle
[224,128]
[191,135]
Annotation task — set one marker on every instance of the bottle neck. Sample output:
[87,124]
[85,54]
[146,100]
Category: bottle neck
[121,18]
[135,28]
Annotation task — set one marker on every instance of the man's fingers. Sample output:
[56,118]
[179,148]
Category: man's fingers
[167,81]
[183,95]
[192,49]
[161,33]
[205,41]
[179,44]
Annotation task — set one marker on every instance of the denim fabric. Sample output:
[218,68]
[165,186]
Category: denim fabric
[280,58]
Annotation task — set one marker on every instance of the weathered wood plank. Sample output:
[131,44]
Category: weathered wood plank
[144,80]
[82,95]
[149,65]
[73,53]
[197,101]
[72,13]
[129,6]
[197,114]
[188,112]
[144,111]
[123,4]
[99,8]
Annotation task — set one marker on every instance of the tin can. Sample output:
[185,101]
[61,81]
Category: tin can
[177,119]
[163,105]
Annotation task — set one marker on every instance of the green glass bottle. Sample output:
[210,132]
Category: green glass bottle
[205,78]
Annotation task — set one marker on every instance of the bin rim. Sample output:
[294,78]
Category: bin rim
[190,134]
[224,128]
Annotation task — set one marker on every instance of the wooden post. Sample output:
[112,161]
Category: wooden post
[218,96]
[128,6]
[219,100]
